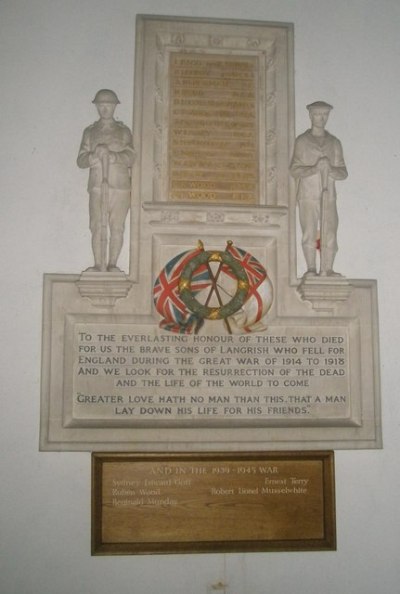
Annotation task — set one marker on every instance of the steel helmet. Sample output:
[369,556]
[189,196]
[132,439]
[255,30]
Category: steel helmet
[106,96]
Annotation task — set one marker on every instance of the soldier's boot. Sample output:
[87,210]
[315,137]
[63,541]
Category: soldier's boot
[327,259]
[310,256]
[116,241]
[96,247]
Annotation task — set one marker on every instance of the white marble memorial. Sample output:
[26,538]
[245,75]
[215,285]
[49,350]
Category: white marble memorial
[210,341]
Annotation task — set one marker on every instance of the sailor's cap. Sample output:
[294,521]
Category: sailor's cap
[319,105]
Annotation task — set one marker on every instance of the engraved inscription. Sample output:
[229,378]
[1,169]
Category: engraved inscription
[213,138]
[139,375]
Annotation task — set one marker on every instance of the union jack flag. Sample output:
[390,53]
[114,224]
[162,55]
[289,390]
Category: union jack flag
[259,297]
[176,316]
[255,271]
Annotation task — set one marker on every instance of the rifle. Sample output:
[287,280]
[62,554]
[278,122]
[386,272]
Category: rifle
[104,213]
[324,194]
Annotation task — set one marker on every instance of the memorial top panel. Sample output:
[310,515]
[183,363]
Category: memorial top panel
[213,111]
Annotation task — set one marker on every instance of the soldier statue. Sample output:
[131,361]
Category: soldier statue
[316,164]
[107,149]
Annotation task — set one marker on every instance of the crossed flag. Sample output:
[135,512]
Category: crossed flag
[177,317]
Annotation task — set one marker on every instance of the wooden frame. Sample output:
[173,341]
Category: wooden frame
[212,502]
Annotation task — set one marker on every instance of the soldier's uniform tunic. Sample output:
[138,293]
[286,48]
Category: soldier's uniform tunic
[308,150]
[118,138]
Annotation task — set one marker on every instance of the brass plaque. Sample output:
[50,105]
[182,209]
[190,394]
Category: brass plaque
[208,502]
[213,141]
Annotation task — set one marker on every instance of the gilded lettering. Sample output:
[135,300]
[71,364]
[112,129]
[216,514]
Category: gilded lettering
[213,141]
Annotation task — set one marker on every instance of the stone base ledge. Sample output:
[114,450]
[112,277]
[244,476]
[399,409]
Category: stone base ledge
[324,292]
[103,288]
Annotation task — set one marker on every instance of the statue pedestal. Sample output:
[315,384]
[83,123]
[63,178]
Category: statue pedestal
[103,288]
[325,292]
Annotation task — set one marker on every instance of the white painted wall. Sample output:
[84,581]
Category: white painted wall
[54,54]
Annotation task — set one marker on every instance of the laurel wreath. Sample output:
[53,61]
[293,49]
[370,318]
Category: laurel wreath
[203,310]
